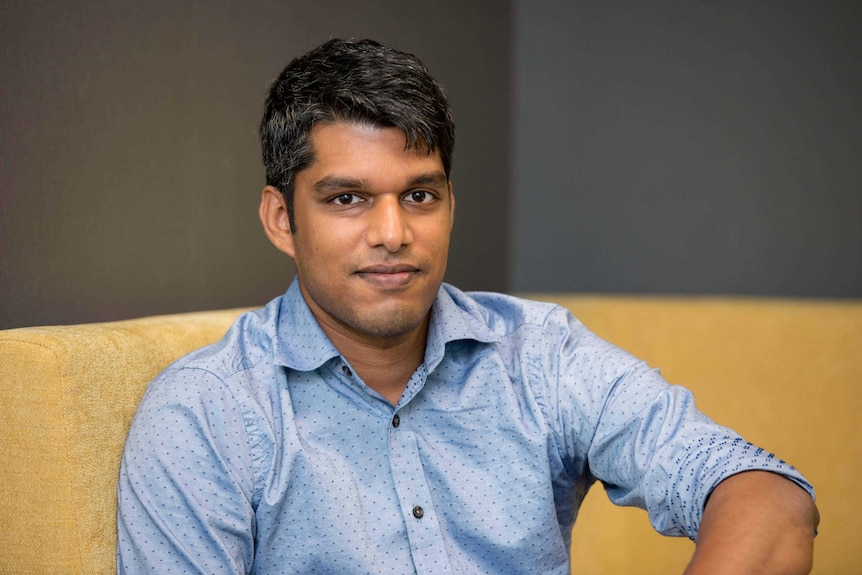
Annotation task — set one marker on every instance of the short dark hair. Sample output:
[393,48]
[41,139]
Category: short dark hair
[349,81]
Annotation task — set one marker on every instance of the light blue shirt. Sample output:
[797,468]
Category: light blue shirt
[265,453]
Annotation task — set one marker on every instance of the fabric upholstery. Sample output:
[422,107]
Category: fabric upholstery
[786,374]
[67,396]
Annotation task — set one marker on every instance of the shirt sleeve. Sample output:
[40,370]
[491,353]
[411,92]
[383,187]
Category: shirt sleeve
[644,439]
[186,481]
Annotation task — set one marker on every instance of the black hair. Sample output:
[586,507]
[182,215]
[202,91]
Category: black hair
[363,82]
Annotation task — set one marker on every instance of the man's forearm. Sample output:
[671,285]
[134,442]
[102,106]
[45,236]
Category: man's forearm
[756,522]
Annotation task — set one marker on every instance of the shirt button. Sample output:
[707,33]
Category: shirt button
[346,371]
[418,512]
[396,421]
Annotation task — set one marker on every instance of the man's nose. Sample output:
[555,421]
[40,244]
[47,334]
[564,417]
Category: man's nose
[388,225]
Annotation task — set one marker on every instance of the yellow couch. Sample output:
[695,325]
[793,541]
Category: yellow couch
[786,374]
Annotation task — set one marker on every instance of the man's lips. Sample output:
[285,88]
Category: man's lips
[388,269]
[388,276]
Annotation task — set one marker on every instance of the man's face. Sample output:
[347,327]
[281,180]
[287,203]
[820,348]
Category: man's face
[372,230]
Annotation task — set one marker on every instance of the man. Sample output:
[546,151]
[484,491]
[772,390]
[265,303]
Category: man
[375,420]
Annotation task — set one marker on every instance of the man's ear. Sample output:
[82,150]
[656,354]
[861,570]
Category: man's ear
[274,217]
[451,207]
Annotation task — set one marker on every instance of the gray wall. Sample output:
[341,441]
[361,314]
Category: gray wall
[602,147]
[700,147]
[129,165]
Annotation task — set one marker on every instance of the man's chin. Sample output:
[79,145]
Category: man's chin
[371,312]
[389,324]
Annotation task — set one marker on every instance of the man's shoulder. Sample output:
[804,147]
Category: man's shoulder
[512,310]
[505,314]
[249,339]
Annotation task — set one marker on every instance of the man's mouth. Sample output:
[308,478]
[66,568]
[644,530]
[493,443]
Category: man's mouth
[388,276]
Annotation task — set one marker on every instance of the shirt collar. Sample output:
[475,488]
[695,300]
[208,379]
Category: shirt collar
[302,345]
[454,316]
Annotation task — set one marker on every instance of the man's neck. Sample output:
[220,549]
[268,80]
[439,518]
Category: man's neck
[384,364]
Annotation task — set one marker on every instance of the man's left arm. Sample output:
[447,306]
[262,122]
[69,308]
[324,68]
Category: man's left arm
[756,522]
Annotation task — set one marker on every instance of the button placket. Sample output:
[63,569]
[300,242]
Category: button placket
[424,532]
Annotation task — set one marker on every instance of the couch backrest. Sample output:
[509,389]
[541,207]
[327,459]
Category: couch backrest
[67,396]
[785,374]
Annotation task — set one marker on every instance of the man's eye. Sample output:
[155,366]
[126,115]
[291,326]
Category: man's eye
[420,197]
[345,199]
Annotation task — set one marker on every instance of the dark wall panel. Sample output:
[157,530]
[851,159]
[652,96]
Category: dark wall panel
[689,148]
[129,164]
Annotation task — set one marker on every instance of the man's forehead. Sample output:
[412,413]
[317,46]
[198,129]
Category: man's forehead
[358,128]
[341,151]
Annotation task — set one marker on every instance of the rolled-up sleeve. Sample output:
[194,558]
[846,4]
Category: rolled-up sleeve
[644,439]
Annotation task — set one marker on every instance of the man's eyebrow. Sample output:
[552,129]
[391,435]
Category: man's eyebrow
[335,184]
[331,184]
[430,179]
